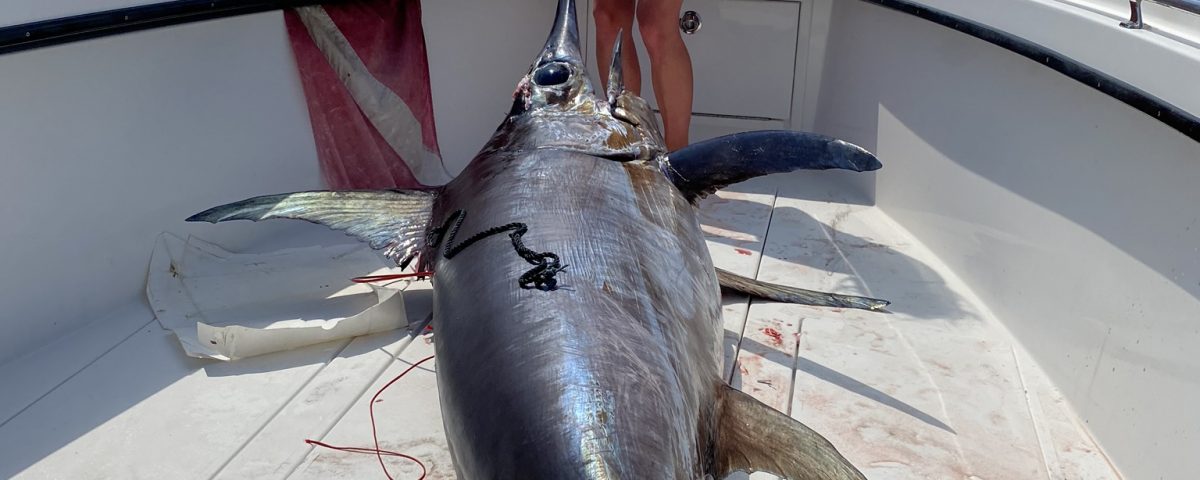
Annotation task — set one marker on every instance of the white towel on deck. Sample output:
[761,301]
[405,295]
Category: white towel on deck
[227,306]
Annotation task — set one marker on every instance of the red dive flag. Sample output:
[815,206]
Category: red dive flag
[366,81]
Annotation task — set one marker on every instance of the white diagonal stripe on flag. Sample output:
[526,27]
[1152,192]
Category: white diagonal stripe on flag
[386,111]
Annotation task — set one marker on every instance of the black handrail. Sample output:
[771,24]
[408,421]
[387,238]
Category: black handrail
[53,32]
[110,22]
[1135,10]
[1185,5]
[1175,117]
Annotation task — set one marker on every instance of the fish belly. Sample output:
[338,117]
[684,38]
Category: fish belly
[612,374]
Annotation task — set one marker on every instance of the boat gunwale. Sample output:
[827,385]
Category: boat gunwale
[46,33]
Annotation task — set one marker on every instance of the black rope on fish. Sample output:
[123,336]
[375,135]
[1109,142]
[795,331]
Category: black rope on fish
[541,276]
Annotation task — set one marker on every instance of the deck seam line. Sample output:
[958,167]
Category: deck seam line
[1045,447]
[828,236]
[899,334]
[77,372]
[296,394]
[392,359]
[791,396]
[737,348]
[277,411]
[767,233]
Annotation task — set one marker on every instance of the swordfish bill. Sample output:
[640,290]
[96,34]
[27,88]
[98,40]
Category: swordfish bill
[577,309]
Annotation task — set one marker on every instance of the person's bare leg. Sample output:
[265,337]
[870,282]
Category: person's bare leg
[611,16]
[670,67]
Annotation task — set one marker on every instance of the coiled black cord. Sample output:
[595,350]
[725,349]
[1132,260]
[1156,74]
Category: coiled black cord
[541,276]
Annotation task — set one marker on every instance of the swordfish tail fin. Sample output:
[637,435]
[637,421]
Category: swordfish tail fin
[705,167]
[784,293]
[391,220]
[756,438]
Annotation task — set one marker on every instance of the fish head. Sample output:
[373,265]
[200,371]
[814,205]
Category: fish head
[555,106]
[557,79]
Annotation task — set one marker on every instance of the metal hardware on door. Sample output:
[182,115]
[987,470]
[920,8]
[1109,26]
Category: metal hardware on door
[689,23]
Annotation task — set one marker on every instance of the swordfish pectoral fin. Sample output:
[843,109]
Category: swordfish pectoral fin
[702,168]
[754,437]
[393,220]
[784,293]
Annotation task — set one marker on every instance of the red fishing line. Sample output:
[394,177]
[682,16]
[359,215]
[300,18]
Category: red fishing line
[375,434]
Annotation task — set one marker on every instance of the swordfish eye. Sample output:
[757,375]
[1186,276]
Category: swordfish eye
[551,74]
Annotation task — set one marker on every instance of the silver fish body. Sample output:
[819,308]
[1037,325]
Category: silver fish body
[611,375]
[608,368]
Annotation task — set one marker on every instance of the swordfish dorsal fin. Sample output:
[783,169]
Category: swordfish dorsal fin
[753,437]
[395,220]
[702,168]
[615,85]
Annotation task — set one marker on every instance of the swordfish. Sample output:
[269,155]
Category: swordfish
[586,344]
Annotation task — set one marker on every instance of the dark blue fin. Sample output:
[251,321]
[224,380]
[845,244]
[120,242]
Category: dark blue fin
[393,220]
[702,168]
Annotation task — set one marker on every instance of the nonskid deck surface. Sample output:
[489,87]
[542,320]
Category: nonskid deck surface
[935,389]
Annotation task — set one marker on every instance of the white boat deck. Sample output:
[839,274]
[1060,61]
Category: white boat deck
[935,389]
